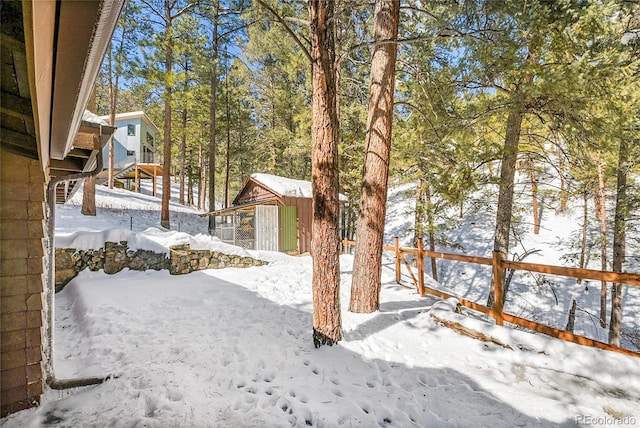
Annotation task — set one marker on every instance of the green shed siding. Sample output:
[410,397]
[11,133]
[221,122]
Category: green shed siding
[288,228]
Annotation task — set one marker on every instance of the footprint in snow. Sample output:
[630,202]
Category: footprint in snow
[174,395]
[427,381]
[150,407]
[365,407]
[370,381]
[268,377]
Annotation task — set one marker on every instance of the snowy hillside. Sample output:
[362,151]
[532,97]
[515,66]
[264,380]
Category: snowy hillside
[543,298]
[233,348]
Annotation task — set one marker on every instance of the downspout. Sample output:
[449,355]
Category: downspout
[51,226]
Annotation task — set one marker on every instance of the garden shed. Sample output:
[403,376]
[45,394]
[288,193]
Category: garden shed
[269,213]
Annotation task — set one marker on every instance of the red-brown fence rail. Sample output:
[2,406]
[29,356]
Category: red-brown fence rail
[498,265]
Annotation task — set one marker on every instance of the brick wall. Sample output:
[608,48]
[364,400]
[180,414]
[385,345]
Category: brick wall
[22,196]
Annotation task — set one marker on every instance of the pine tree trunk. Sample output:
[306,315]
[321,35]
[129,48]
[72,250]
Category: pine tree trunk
[619,241]
[190,179]
[227,167]
[432,230]
[367,264]
[183,154]
[424,216]
[168,67]
[112,120]
[212,117]
[505,196]
[534,196]
[585,223]
[572,317]
[564,194]
[420,216]
[89,197]
[327,322]
[601,210]
[202,181]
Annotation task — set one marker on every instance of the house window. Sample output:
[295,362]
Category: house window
[150,140]
[147,155]
[131,130]
[131,152]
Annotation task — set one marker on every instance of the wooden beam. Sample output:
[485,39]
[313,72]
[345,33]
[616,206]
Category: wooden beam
[70,165]
[80,153]
[86,140]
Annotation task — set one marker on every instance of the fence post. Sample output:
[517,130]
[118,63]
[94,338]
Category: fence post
[497,287]
[396,244]
[420,268]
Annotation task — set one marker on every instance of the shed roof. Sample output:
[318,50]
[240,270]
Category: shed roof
[284,186]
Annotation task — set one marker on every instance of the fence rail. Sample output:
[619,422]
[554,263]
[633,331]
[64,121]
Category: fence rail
[498,267]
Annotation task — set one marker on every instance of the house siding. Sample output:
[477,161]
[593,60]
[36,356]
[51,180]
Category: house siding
[22,213]
[135,142]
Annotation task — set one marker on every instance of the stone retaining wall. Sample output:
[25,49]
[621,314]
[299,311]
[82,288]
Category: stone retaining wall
[115,257]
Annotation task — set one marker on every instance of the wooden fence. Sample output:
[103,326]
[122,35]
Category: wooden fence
[499,266]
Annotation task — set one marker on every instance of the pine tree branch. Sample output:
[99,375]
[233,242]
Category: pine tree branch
[288,29]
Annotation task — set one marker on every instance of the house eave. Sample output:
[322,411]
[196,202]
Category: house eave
[65,43]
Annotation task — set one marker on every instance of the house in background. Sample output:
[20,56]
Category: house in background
[270,213]
[135,151]
[135,139]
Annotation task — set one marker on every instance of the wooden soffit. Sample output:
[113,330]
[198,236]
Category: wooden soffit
[65,43]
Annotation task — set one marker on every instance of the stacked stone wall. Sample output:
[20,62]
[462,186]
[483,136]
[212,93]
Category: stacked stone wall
[116,256]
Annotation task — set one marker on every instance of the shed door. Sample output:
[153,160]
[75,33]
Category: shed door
[288,228]
[267,227]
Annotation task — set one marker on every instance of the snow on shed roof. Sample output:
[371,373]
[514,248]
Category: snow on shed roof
[287,186]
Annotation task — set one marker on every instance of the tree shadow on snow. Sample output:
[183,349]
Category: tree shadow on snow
[286,382]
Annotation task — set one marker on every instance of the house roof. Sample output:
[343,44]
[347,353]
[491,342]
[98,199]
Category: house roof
[134,115]
[55,49]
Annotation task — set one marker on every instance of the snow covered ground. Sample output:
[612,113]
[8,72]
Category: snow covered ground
[233,348]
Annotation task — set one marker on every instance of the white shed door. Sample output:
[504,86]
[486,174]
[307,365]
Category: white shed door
[267,232]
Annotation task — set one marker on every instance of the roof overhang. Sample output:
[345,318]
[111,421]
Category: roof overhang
[243,207]
[88,142]
[65,43]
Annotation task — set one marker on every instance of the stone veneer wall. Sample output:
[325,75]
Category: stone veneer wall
[117,256]
[22,230]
